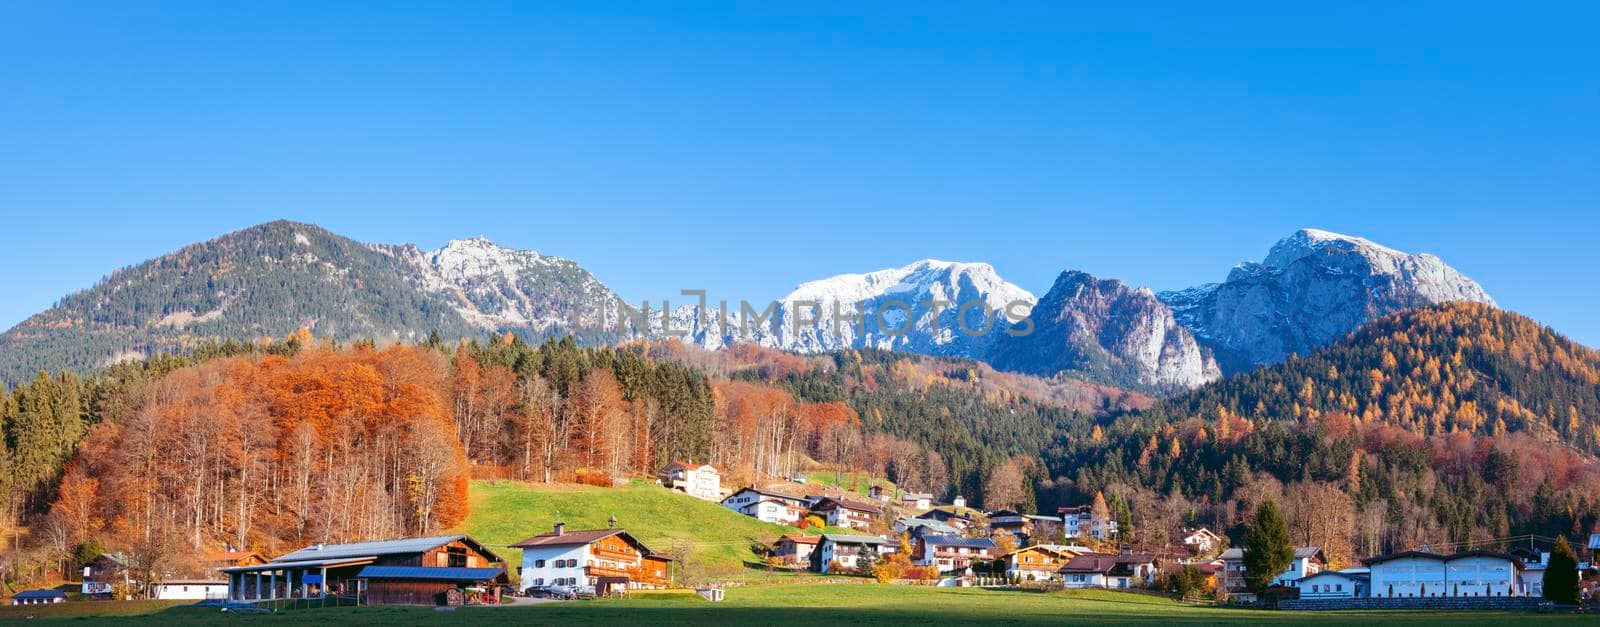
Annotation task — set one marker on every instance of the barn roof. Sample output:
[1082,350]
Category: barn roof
[380,548]
[40,594]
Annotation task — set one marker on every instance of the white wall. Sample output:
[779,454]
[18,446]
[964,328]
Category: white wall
[1328,586]
[534,575]
[217,590]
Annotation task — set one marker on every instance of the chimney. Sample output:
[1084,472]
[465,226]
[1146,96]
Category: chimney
[612,524]
[319,546]
[561,528]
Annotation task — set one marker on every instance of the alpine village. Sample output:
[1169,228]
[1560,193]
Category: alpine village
[1430,458]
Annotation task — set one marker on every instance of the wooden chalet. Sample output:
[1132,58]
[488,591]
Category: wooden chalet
[433,570]
[610,559]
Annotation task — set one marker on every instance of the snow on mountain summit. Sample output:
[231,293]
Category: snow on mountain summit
[1311,289]
[933,290]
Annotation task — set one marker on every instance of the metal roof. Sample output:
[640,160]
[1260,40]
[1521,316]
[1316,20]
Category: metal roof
[40,594]
[982,543]
[338,561]
[844,538]
[381,547]
[430,573]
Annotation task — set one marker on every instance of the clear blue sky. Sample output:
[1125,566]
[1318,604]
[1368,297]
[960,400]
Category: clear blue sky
[733,147]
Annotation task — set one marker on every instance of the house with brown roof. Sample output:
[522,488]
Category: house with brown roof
[702,481]
[610,559]
[1040,562]
[1103,570]
[768,504]
[407,571]
[847,513]
[795,550]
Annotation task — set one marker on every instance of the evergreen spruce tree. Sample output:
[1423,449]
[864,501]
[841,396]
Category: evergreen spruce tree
[1267,551]
[1561,575]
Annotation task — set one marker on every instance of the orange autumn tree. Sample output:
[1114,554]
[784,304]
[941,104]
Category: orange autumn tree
[272,453]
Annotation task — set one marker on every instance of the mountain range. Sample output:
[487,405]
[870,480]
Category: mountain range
[1312,288]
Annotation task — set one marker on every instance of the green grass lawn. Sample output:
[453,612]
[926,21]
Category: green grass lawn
[854,482]
[720,539]
[824,604]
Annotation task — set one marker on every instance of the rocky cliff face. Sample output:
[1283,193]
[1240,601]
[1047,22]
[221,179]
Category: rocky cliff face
[1312,289]
[1103,330]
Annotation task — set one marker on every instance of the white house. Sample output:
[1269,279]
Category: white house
[197,589]
[1201,541]
[767,506]
[1080,522]
[847,513]
[916,500]
[1335,584]
[1308,560]
[606,558]
[1100,570]
[702,481]
[795,550]
[1411,574]
[949,553]
[845,551]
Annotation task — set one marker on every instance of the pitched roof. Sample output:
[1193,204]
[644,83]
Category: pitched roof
[381,547]
[1445,558]
[801,539]
[845,538]
[768,491]
[927,523]
[229,556]
[1055,549]
[568,538]
[1237,553]
[1091,563]
[915,496]
[430,573]
[831,502]
[977,543]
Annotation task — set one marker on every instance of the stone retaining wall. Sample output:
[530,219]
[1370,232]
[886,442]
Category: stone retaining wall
[1415,603]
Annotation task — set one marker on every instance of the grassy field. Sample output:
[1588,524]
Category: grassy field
[720,539]
[816,604]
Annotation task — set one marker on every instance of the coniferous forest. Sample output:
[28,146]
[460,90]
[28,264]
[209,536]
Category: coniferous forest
[1450,425]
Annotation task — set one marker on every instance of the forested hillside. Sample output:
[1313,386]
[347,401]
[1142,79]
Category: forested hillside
[1450,424]
[269,280]
[278,445]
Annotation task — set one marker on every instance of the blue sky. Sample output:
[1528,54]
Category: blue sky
[743,149]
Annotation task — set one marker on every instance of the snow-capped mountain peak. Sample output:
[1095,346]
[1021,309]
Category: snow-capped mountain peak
[931,278]
[1311,289]
[934,291]
[1306,242]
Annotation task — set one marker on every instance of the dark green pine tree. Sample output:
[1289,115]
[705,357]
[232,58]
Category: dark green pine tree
[1267,551]
[1561,575]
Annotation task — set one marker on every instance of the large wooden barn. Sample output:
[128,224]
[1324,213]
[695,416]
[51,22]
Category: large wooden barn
[409,571]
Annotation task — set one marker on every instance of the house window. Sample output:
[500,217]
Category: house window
[538,563]
[1338,587]
[538,582]
[457,557]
